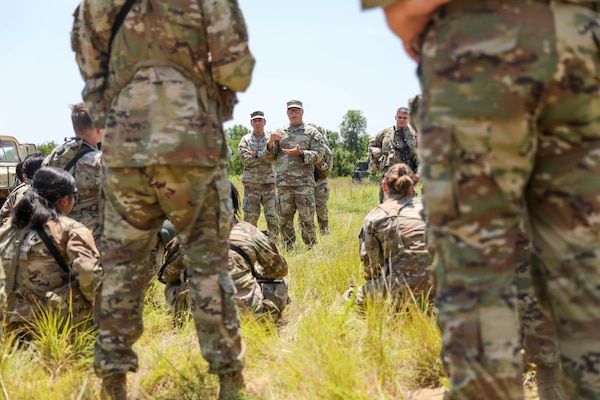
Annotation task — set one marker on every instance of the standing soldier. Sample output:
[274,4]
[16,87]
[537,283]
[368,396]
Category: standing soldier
[258,177]
[162,106]
[297,147]
[82,158]
[396,144]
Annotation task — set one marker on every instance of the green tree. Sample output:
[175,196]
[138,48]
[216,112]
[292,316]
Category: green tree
[46,147]
[233,136]
[353,131]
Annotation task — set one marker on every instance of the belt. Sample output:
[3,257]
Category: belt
[461,4]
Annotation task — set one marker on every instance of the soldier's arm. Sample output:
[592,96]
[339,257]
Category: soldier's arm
[370,252]
[272,264]
[231,60]
[85,259]
[315,153]
[244,152]
[90,38]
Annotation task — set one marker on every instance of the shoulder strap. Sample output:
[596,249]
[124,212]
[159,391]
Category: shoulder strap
[72,163]
[55,253]
[119,20]
[242,253]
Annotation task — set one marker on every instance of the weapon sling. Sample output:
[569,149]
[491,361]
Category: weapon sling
[55,253]
[247,259]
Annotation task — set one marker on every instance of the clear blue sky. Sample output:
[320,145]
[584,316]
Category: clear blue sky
[328,53]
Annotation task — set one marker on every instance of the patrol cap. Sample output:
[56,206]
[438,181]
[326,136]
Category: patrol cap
[294,104]
[257,114]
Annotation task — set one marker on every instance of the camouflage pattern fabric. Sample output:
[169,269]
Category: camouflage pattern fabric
[386,148]
[257,169]
[87,172]
[392,250]
[268,264]
[13,198]
[35,280]
[255,195]
[289,200]
[162,108]
[127,85]
[322,192]
[510,115]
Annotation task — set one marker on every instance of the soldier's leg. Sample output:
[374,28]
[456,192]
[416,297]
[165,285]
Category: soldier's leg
[269,205]
[564,199]
[203,228]
[287,209]
[251,203]
[305,201]
[321,199]
[132,220]
[477,152]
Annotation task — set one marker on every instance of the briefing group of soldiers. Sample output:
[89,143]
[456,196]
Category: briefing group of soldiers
[292,184]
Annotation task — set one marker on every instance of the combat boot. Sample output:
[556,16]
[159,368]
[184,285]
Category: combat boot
[114,387]
[231,385]
[549,382]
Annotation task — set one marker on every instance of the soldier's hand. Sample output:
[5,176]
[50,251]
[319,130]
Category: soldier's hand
[408,18]
[252,153]
[374,167]
[292,152]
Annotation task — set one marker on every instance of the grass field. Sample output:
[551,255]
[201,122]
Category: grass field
[324,349]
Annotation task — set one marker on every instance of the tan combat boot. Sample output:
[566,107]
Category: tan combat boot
[114,387]
[231,385]
[548,379]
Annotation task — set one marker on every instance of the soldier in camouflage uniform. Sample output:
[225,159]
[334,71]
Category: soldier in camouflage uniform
[297,147]
[258,177]
[391,242]
[162,106]
[255,264]
[30,166]
[81,157]
[394,145]
[510,116]
[322,191]
[35,279]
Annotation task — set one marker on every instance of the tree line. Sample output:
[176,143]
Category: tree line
[348,146]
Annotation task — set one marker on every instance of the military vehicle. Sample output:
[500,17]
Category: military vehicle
[11,154]
[361,171]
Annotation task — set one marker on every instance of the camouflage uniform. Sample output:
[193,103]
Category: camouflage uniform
[13,198]
[34,279]
[511,114]
[87,172]
[259,182]
[165,155]
[387,147]
[322,193]
[392,250]
[295,180]
[260,288]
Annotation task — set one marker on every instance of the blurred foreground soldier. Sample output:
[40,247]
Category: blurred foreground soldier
[396,144]
[31,164]
[258,177]
[296,147]
[511,116]
[162,106]
[50,260]
[255,264]
[391,242]
[414,104]
[322,190]
[81,157]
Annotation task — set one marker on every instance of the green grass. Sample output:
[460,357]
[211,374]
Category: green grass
[323,349]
